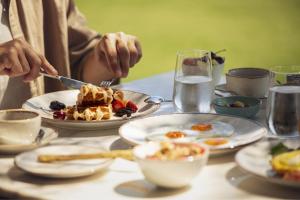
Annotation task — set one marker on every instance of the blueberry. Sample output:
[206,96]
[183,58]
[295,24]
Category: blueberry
[56,105]
[124,111]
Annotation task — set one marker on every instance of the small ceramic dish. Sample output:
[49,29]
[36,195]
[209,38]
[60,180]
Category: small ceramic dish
[226,105]
[169,173]
[253,82]
[18,126]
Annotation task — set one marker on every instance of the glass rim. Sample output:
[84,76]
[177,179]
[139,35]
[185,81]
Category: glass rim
[279,69]
[187,51]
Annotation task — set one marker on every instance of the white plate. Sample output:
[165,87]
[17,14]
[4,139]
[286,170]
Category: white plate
[245,131]
[49,135]
[69,98]
[255,159]
[67,169]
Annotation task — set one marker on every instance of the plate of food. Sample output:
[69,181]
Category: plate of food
[274,160]
[221,133]
[91,107]
[34,161]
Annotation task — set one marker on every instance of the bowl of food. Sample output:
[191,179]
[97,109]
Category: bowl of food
[237,105]
[169,164]
[253,82]
[18,126]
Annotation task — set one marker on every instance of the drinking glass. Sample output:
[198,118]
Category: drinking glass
[283,104]
[193,84]
[285,75]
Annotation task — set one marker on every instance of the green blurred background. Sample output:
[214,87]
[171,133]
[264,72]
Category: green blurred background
[260,33]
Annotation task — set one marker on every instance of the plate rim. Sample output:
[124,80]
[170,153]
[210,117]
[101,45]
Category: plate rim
[278,181]
[265,132]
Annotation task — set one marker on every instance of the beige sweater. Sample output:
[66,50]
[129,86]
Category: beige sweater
[56,29]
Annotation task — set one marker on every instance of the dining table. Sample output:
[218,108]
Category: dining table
[221,178]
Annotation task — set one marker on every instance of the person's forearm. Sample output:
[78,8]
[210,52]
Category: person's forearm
[94,71]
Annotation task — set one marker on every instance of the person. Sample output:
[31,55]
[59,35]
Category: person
[52,36]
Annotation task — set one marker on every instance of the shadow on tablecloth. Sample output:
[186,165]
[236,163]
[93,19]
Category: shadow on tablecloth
[143,189]
[253,185]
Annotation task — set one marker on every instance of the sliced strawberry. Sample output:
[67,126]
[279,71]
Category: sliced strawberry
[117,105]
[131,106]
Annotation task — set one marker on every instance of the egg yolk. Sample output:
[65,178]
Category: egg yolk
[202,127]
[215,141]
[175,134]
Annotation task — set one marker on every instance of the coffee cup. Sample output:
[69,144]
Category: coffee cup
[18,126]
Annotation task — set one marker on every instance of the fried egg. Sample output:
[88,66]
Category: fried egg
[286,162]
[190,133]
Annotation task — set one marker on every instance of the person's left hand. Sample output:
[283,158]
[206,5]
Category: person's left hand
[119,52]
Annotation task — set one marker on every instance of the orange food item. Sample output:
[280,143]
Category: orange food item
[175,134]
[202,127]
[216,141]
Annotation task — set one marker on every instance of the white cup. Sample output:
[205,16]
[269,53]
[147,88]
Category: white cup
[18,126]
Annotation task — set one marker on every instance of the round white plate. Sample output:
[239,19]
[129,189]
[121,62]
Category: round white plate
[27,161]
[255,159]
[245,131]
[49,135]
[69,98]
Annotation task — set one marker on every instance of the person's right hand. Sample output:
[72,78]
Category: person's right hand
[17,58]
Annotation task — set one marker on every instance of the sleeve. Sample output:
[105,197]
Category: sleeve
[81,39]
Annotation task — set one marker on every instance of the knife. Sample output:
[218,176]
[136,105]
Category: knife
[68,82]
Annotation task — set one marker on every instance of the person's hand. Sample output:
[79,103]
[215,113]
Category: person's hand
[118,52]
[17,58]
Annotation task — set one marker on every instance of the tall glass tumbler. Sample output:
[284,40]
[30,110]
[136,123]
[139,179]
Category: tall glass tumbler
[283,106]
[193,84]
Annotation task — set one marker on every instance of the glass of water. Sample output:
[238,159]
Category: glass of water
[193,84]
[285,75]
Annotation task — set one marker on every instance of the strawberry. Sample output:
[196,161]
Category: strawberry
[131,106]
[117,105]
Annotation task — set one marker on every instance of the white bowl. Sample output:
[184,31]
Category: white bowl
[168,173]
[18,126]
[253,82]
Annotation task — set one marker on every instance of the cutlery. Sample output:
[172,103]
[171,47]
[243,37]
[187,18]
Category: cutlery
[156,100]
[40,136]
[68,82]
[48,158]
[106,84]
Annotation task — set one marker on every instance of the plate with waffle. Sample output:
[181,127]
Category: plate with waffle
[90,108]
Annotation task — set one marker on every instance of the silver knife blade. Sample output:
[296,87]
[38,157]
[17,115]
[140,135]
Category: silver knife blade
[68,82]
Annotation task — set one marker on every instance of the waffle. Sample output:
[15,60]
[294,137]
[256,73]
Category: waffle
[91,96]
[93,103]
[89,113]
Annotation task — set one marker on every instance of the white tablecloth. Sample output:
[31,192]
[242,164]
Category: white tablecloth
[220,179]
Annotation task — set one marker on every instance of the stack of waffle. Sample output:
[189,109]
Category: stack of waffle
[93,103]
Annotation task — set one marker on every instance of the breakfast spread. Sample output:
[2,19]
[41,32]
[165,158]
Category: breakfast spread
[286,162]
[94,104]
[177,151]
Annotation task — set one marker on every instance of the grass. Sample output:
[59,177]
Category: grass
[259,33]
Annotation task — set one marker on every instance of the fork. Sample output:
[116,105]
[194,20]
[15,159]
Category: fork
[106,84]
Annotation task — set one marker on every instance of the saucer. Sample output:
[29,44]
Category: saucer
[221,90]
[49,135]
